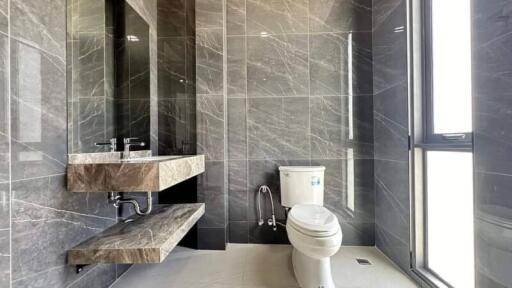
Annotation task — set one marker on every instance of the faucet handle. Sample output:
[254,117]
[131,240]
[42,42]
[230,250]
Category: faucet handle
[112,144]
[130,139]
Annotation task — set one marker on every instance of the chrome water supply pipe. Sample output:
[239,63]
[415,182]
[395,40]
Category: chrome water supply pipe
[271,221]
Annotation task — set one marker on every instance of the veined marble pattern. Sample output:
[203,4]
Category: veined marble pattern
[277,65]
[492,73]
[391,132]
[133,175]
[147,239]
[277,17]
[290,82]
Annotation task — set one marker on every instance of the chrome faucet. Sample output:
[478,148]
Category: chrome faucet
[128,143]
[112,144]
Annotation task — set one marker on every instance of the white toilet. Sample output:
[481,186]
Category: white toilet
[313,230]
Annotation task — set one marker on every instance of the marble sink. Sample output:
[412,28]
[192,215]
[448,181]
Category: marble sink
[108,172]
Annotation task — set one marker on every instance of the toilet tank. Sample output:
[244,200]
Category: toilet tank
[302,185]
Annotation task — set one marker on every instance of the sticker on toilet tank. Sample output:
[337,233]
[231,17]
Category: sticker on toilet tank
[315,181]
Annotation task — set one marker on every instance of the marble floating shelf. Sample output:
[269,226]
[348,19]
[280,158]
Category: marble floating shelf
[145,240]
[107,172]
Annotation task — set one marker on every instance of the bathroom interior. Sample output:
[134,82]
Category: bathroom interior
[256,143]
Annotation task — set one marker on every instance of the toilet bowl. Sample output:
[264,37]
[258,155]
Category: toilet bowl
[315,235]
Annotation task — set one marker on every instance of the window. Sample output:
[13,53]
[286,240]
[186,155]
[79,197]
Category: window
[442,159]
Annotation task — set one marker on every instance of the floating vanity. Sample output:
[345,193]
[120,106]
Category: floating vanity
[141,239]
[147,239]
[109,172]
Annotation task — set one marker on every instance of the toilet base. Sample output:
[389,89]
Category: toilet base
[311,272]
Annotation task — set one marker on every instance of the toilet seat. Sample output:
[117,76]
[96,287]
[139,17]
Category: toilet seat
[313,220]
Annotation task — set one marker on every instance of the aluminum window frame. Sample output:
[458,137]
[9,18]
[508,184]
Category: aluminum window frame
[422,137]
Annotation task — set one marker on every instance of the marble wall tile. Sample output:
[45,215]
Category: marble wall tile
[211,192]
[239,232]
[278,128]
[235,17]
[236,66]
[329,67]
[391,131]
[5,257]
[40,23]
[277,65]
[238,198]
[88,14]
[212,238]
[38,115]
[175,25]
[210,126]
[277,17]
[340,15]
[492,141]
[90,65]
[209,14]
[91,125]
[237,129]
[172,67]
[209,61]
[177,126]
[4,110]
[4,20]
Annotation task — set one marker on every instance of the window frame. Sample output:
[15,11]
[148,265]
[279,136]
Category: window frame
[422,137]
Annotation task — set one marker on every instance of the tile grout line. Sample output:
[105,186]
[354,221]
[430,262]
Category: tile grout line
[246,54]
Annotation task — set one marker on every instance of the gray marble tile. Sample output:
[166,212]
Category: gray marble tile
[210,126]
[382,12]
[329,127]
[209,61]
[277,17]
[172,18]
[279,128]
[4,110]
[394,248]
[211,191]
[392,198]
[4,21]
[100,276]
[51,193]
[340,15]
[5,194]
[266,172]
[237,183]
[41,23]
[38,115]
[5,258]
[358,234]
[336,190]
[89,71]
[265,235]
[235,17]
[330,70]
[390,132]
[237,66]
[389,48]
[277,65]
[212,238]
[89,15]
[172,67]
[209,14]
[58,230]
[237,129]
[238,232]
[177,126]
[91,125]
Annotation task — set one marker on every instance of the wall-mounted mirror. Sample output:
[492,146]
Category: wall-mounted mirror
[109,74]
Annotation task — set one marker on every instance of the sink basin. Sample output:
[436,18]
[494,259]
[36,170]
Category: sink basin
[151,158]
[107,172]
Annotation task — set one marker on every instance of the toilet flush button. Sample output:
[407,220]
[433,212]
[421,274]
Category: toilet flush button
[315,181]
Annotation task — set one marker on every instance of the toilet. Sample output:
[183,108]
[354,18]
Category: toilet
[312,229]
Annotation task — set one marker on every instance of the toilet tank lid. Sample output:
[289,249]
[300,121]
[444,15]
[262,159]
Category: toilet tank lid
[301,168]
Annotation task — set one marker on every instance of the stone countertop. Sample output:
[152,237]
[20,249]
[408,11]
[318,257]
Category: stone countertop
[146,239]
[107,172]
